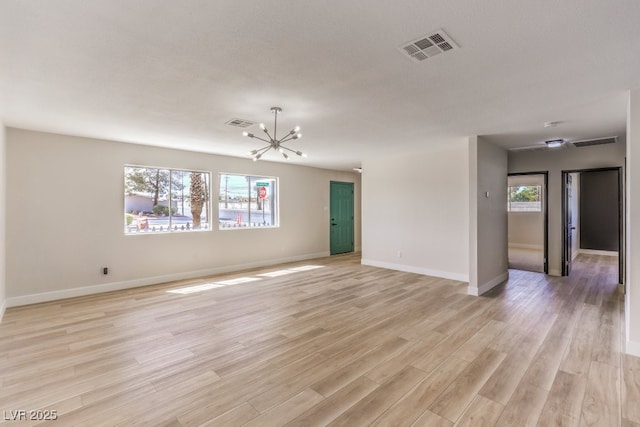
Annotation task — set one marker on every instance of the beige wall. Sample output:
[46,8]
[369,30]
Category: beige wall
[487,216]
[65,218]
[3,182]
[415,211]
[555,161]
[632,298]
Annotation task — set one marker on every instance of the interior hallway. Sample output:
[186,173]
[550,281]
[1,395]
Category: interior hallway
[329,342]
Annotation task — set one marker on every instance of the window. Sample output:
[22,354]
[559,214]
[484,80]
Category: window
[524,198]
[247,202]
[165,200]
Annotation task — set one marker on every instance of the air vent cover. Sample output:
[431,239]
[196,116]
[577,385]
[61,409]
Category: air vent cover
[600,141]
[428,46]
[240,123]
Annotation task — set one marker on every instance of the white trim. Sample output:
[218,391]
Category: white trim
[3,307]
[525,246]
[417,270]
[633,348]
[555,273]
[575,254]
[597,252]
[116,286]
[485,287]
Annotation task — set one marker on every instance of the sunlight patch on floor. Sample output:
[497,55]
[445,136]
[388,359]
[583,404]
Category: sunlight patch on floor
[240,280]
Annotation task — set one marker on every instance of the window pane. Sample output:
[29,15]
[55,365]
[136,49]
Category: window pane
[524,198]
[247,202]
[160,200]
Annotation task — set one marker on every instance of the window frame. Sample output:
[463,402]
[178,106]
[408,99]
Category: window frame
[205,225]
[275,195]
[539,202]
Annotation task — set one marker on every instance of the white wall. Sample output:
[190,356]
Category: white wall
[415,211]
[3,182]
[555,161]
[487,216]
[526,229]
[632,298]
[65,218]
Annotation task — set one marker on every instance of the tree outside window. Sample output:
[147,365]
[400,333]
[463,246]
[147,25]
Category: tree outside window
[524,198]
[165,200]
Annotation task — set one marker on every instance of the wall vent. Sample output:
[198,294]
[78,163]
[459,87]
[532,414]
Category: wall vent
[240,123]
[599,141]
[428,46]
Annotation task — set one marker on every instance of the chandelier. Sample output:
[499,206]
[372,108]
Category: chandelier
[273,141]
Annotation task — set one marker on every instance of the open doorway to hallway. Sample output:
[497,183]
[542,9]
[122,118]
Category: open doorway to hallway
[592,215]
[528,221]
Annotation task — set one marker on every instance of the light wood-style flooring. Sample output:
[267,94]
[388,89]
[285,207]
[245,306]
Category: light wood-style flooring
[526,259]
[328,341]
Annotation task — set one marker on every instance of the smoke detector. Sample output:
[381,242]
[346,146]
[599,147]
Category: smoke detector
[428,46]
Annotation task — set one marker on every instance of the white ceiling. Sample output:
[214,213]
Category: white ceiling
[171,73]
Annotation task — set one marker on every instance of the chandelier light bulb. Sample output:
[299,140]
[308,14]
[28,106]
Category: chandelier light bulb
[262,126]
[296,129]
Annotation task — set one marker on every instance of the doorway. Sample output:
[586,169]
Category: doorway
[528,224]
[594,222]
[341,228]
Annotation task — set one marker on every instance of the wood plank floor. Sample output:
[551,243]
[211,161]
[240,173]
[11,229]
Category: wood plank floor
[328,342]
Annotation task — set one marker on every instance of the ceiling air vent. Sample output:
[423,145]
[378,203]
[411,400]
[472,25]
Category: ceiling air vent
[428,46]
[240,123]
[600,141]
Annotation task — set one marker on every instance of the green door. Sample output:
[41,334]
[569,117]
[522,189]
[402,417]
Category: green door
[341,209]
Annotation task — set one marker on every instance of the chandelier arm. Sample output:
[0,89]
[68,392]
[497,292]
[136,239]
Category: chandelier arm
[261,139]
[289,149]
[267,132]
[261,150]
[287,138]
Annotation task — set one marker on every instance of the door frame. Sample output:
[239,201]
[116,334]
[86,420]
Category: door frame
[546,212]
[621,236]
[352,185]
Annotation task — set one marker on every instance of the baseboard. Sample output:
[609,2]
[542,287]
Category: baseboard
[487,286]
[633,348]
[128,284]
[3,307]
[416,270]
[597,252]
[525,246]
[575,255]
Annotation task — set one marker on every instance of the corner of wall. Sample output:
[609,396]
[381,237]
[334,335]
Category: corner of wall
[487,216]
[633,348]
[3,198]
[487,286]
[473,212]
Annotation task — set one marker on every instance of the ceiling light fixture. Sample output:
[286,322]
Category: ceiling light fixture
[554,143]
[273,141]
